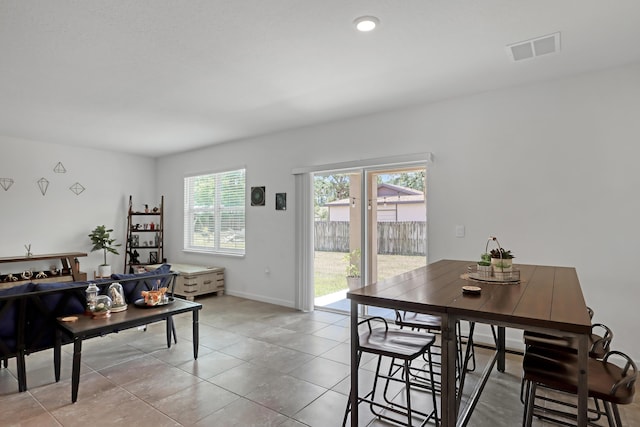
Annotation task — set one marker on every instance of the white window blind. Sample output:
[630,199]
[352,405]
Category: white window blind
[214,212]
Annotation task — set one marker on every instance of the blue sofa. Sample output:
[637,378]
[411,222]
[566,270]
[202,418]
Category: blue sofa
[29,311]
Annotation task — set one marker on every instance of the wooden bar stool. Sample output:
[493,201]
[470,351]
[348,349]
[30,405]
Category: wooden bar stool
[610,384]
[395,344]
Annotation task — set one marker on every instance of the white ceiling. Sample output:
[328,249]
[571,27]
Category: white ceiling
[154,77]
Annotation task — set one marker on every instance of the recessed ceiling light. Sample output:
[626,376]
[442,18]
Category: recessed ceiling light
[366,23]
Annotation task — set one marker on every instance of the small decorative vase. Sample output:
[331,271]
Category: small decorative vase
[353,283]
[501,264]
[104,271]
[484,271]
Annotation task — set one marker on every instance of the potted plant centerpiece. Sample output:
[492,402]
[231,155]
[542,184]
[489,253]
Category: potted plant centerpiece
[101,240]
[353,269]
[501,261]
[484,266]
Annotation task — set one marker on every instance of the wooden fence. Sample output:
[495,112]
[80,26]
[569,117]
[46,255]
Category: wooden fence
[394,238]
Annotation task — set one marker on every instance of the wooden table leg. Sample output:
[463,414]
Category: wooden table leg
[196,334]
[354,364]
[75,372]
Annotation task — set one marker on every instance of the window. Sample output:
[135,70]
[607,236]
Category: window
[214,212]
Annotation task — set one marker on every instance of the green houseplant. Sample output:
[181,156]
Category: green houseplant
[484,265]
[102,240]
[352,269]
[501,260]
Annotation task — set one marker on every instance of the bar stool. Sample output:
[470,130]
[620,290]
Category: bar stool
[395,344]
[599,340]
[610,384]
[599,343]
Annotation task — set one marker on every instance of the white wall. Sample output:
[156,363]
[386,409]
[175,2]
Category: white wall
[549,168]
[60,221]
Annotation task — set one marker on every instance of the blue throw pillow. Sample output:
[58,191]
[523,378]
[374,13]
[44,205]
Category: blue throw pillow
[8,313]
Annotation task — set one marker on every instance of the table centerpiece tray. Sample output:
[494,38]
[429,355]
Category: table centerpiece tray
[505,277]
[142,303]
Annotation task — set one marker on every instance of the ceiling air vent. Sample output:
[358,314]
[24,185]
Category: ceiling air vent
[535,47]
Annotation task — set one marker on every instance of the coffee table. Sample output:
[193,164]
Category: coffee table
[86,327]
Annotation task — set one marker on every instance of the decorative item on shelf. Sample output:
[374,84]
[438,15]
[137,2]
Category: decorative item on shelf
[353,269]
[53,270]
[152,226]
[41,275]
[155,209]
[135,257]
[28,248]
[102,307]
[102,241]
[116,294]
[91,295]
[146,208]
[26,275]
[10,278]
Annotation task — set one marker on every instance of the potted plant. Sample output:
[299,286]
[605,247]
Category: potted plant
[484,266]
[101,240]
[501,261]
[353,269]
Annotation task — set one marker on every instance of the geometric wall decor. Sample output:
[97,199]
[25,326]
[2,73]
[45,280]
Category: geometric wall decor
[43,184]
[6,183]
[59,168]
[77,188]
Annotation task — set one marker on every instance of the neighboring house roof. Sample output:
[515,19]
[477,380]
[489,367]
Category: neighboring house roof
[389,193]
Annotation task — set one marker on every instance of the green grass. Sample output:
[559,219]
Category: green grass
[329,269]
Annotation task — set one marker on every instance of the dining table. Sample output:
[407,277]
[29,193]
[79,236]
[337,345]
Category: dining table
[545,299]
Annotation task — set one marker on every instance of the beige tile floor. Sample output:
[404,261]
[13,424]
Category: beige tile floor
[259,365]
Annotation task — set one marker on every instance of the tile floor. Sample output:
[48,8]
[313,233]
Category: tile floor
[259,365]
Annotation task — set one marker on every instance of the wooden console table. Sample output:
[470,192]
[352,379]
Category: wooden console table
[86,327]
[68,273]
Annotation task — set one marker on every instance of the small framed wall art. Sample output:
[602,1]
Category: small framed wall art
[281,201]
[257,196]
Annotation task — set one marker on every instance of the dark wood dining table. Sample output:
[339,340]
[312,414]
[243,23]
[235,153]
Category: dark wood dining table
[546,299]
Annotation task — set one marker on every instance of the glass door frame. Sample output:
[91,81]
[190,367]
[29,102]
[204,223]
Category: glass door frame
[304,298]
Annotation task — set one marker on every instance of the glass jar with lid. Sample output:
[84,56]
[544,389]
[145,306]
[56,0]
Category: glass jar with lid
[91,295]
[102,307]
[116,293]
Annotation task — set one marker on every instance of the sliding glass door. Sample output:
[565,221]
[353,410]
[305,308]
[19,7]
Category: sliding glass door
[369,225]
